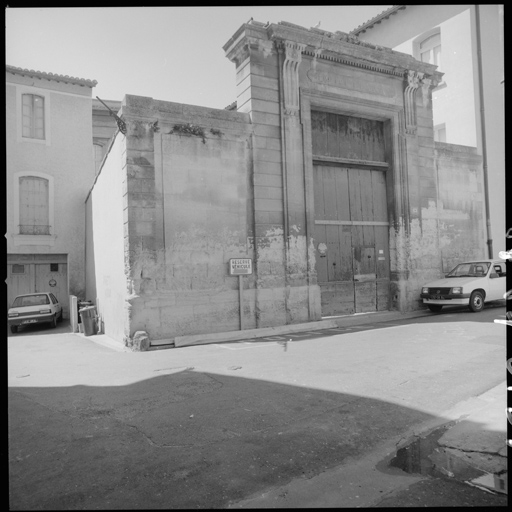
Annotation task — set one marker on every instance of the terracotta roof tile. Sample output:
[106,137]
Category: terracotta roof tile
[51,76]
[377,19]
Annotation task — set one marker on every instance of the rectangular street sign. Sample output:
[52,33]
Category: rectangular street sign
[240,266]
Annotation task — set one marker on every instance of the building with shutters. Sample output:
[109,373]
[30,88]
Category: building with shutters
[324,173]
[49,171]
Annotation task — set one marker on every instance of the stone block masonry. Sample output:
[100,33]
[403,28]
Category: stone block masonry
[200,186]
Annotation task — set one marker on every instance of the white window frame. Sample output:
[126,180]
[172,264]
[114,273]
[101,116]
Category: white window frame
[45,94]
[33,239]
[416,50]
[437,129]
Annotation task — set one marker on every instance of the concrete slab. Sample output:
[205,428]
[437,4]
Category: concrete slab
[330,323]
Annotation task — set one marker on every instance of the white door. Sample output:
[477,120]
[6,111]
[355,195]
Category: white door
[20,280]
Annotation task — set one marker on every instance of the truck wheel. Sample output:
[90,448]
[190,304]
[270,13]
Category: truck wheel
[435,307]
[14,329]
[476,302]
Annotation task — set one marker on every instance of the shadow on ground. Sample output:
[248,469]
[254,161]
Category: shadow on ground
[185,439]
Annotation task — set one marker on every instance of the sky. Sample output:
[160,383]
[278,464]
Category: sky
[167,53]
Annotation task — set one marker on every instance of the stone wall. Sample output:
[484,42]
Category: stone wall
[189,210]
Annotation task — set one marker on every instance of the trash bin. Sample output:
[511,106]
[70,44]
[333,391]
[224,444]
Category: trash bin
[88,315]
[80,304]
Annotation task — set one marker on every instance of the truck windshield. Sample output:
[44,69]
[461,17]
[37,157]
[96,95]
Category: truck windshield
[478,269]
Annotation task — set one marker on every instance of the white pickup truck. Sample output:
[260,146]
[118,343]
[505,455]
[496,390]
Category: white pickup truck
[471,283]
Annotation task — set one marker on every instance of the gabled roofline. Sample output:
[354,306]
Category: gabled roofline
[83,82]
[377,19]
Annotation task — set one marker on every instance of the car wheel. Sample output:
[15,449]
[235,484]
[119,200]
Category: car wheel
[14,329]
[60,317]
[435,307]
[476,302]
[54,321]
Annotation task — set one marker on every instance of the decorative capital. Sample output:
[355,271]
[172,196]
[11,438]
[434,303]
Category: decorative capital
[292,53]
[413,80]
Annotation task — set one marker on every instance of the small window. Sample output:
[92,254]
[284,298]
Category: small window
[54,300]
[54,267]
[18,269]
[32,116]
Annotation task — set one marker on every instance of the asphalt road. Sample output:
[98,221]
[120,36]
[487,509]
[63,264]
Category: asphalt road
[221,425]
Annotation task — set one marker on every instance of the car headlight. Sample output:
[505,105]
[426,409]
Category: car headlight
[457,289]
[45,311]
[424,290]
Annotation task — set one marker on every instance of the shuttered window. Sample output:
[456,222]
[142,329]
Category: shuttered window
[34,206]
[33,116]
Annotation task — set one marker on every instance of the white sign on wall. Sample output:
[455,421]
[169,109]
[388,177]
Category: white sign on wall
[240,266]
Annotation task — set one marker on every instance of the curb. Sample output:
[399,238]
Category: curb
[341,321]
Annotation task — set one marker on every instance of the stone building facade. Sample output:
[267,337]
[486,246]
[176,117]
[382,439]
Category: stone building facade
[325,175]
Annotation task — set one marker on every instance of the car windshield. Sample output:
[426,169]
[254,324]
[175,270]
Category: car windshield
[30,300]
[477,269]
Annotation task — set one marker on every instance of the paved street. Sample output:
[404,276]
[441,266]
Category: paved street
[309,420]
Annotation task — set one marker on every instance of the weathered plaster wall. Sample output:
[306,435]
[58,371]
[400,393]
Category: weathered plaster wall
[461,204]
[189,204]
[105,258]
[293,69]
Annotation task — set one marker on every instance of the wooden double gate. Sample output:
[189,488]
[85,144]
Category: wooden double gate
[351,221]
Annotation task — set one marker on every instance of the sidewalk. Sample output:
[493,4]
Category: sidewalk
[325,323]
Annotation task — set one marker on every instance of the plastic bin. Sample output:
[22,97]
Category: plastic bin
[88,316]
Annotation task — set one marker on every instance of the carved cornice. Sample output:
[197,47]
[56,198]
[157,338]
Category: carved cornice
[348,61]
[248,45]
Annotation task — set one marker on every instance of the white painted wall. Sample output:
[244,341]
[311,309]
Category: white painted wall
[65,157]
[106,279]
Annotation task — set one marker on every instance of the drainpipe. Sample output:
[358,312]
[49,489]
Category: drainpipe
[482,127]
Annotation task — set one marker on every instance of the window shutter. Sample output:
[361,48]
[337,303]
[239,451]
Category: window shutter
[34,206]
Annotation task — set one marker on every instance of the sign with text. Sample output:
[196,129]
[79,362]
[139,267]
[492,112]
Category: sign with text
[240,266]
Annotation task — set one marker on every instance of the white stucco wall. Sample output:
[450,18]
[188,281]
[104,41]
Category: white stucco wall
[454,101]
[64,158]
[105,245]
[459,103]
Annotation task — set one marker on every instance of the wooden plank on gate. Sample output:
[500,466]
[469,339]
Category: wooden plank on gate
[329,184]
[342,194]
[380,209]
[345,236]
[382,251]
[333,253]
[366,296]
[318,188]
[331,128]
[318,132]
[321,261]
